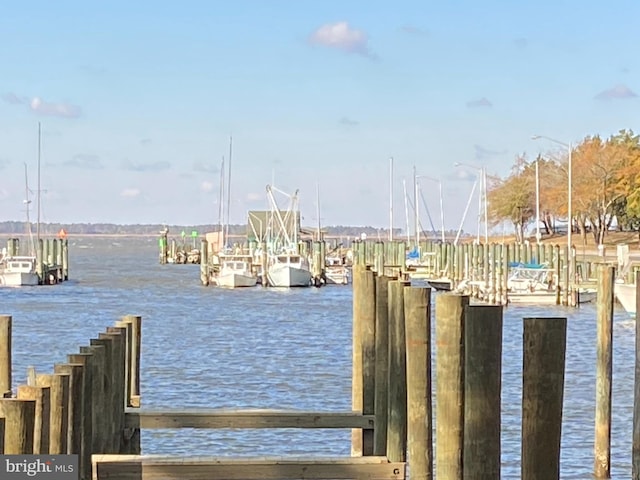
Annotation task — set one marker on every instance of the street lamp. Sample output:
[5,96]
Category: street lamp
[441,204]
[482,194]
[569,147]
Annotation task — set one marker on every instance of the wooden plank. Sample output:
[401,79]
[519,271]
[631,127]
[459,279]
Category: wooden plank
[125,467]
[136,418]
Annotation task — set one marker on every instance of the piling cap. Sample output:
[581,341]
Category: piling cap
[62,233]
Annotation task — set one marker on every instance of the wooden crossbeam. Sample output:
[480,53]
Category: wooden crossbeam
[133,467]
[216,418]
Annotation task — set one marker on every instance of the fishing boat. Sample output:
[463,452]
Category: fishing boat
[285,266]
[18,271]
[288,270]
[236,271]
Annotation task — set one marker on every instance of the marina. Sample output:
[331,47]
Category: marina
[285,359]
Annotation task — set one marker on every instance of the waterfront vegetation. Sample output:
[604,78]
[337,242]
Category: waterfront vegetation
[605,187]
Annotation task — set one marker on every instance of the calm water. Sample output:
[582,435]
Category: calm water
[264,348]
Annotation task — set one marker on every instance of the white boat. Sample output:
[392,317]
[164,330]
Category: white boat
[236,272]
[531,284]
[335,272]
[626,295]
[288,270]
[18,271]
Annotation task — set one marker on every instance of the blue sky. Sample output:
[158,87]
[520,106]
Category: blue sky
[137,101]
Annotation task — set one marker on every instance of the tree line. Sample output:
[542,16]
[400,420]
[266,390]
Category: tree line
[605,187]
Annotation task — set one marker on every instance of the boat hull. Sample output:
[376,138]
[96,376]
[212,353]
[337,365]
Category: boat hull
[626,295]
[236,280]
[547,298]
[287,276]
[19,279]
[336,277]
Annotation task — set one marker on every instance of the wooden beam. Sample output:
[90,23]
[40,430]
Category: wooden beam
[132,467]
[206,418]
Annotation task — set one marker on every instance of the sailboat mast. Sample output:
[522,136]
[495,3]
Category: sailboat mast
[318,210]
[391,199]
[38,193]
[221,199]
[27,202]
[229,188]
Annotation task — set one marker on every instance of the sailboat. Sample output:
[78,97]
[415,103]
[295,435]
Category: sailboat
[235,268]
[285,266]
[21,270]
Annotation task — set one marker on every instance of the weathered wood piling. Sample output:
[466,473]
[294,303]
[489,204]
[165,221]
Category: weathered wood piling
[80,407]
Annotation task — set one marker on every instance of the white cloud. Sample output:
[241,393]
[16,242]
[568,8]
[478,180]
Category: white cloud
[341,36]
[130,193]
[254,197]
[65,110]
[206,186]
[619,92]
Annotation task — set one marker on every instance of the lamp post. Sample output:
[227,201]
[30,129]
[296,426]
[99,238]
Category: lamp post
[537,202]
[482,196]
[569,147]
[441,204]
[415,207]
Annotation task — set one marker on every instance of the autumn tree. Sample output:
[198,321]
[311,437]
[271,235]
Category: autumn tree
[513,199]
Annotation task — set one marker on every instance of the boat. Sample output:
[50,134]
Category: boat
[236,271]
[18,271]
[626,295]
[531,284]
[285,266]
[288,270]
[335,272]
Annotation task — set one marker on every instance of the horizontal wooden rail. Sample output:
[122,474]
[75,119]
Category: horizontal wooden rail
[134,467]
[219,418]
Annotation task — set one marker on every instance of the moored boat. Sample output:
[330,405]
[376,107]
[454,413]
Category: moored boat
[236,271]
[18,271]
[288,270]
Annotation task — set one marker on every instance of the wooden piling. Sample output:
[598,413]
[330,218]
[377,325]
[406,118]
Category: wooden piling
[635,449]
[204,262]
[482,396]
[42,398]
[544,345]
[368,325]
[86,413]
[108,393]
[604,369]
[397,379]
[75,419]
[382,365]
[134,377]
[5,355]
[417,313]
[19,425]
[58,385]
[119,385]
[357,376]
[99,415]
[65,259]
[450,360]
